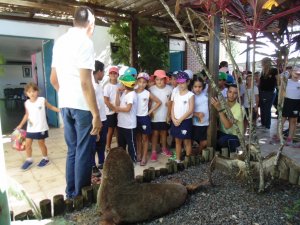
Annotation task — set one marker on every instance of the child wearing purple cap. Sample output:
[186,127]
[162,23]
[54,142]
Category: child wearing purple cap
[182,113]
[143,118]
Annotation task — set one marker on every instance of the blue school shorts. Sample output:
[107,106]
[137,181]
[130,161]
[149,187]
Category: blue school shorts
[37,135]
[143,124]
[160,126]
[184,130]
[112,120]
[199,133]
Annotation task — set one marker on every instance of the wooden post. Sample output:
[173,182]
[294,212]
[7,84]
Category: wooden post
[133,42]
[214,48]
[21,216]
[163,171]
[87,194]
[146,175]
[45,206]
[69,205]
[248,56]
[205,154]
[175,167]
[157,173]
[169,166]
[180,166]
[139,179]
[58,205]
[152,173]
[78,202]
[211,153]
[30,215]
[193,160]
[224,152]
[95,192]
[197,160]
[293,176]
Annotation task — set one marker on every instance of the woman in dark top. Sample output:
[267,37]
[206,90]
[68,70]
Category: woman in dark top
[267,91]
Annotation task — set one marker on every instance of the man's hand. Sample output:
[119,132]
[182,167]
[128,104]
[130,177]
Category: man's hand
[215,102]
[97,125]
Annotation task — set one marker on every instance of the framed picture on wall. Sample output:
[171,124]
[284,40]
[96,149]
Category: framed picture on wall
[27,71]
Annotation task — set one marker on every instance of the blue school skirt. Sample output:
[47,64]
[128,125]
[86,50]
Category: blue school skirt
[143,124]
[37,135]
[184,130]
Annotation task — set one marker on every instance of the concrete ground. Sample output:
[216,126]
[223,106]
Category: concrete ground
[44,183]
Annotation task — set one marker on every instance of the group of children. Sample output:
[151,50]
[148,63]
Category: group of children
[145,108]
[139,109]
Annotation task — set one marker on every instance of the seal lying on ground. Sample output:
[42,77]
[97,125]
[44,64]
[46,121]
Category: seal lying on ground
[121,199]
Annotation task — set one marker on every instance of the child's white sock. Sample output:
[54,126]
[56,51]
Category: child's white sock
[29,159]
[45,157]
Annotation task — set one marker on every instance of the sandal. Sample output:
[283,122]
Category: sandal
[143,163]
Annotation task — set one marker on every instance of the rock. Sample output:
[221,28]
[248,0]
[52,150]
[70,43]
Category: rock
[122,199]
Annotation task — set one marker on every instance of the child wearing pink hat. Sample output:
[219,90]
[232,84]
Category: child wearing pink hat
[109,93]
[161,116]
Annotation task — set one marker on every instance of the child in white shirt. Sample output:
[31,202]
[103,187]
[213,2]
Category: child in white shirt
[109,93]
[182,113]
[143,118]
[126,107]
[37,127]
[201,113]
[161,116]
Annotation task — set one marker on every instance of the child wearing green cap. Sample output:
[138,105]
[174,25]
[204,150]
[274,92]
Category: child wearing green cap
[126,107]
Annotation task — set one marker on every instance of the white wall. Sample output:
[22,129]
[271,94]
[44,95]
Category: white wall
[12,77]
[101,38]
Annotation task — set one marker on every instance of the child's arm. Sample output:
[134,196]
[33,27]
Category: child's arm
[23,121]
[108,104]
[117,101]
[126,108]
[190,111]
[51,107]
[153,98]
[199,115]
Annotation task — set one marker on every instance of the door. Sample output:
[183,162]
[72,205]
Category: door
[52,117]
[176,61]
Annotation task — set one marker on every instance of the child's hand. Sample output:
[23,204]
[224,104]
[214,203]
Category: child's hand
[200,116]
[121,89]
[18,127]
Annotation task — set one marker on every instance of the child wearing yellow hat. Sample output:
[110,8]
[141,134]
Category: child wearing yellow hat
[126,107]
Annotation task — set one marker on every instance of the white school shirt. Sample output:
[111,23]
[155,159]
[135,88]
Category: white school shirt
[127,120]
[293,89]
[251,96]
[175,90]
[143,103]
[71,52]
[201,105]
[181,104]
[164,95]
[37,121]
[100,100]
[110,91]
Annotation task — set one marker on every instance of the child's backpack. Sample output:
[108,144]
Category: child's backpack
[18,139]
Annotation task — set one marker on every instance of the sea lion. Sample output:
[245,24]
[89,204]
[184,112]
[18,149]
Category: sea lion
[122,199]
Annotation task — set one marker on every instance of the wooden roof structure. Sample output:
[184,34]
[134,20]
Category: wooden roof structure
[149,12]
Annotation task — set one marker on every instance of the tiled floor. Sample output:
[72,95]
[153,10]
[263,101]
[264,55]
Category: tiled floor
[49,181]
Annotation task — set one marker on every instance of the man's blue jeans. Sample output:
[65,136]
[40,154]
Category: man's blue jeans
[77,127]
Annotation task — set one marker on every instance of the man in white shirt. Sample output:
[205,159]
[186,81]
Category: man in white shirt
[71,76]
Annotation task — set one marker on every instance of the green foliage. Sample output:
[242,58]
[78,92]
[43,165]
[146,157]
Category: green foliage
[152,46]
[293,211]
